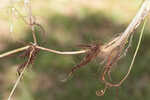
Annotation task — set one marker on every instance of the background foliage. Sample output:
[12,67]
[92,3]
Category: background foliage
[67,24]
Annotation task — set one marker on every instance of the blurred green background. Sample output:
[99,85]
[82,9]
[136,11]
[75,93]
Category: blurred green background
[68,23]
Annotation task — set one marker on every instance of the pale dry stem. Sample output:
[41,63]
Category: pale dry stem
[105,50]
[13,51]
[20,76]
[109,84]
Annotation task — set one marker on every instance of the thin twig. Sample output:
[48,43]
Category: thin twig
[20,76]
[31,19]
[14,51]
[62,53]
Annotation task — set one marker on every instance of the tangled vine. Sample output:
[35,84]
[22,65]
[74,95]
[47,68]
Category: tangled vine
[111,52]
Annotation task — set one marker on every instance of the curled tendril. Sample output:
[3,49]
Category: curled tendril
[101,92]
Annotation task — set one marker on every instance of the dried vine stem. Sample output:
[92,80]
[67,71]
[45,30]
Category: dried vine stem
[132,62]
[44,49]
[113,50]
[142,13]
[27,4]
[21,74]
[110,51]
[61,52]
[13,51]
[120,41]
